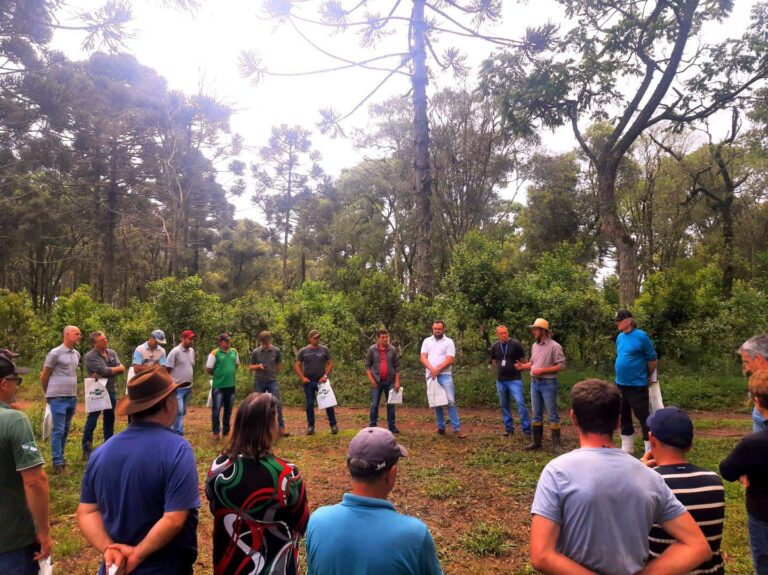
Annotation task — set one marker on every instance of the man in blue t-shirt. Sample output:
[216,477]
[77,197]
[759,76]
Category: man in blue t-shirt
[139,498]
[635,363]
[334,542]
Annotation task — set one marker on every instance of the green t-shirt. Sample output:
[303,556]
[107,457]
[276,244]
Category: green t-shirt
[18,451]
[224,365]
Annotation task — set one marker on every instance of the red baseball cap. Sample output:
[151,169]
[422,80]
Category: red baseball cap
[188,333]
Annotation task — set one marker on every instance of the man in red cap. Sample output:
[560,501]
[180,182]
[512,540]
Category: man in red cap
[139,498]
[25,537]
[180,363]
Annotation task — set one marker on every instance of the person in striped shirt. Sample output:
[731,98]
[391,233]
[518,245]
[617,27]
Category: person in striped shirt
[699,490]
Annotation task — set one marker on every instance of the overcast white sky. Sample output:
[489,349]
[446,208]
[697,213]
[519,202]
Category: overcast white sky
[202,48]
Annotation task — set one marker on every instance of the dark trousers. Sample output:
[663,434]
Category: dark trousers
[222,397]
[634,399]
[376,393]
[93,418]
[310,391]
[20,561]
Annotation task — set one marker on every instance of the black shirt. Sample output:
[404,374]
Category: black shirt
[750,458]
[508,353]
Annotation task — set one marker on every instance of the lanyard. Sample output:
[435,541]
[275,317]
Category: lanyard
[503,350]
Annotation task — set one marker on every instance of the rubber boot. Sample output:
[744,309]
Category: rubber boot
[536,436]
[557,446]
[628,443]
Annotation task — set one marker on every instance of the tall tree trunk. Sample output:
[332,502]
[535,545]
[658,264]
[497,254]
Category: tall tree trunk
[726,215]
[110,225]
[614,230]
[423,279]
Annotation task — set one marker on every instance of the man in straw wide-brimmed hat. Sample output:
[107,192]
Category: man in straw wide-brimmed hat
[141,485]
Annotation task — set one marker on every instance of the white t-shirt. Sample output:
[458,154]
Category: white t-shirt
[437,350]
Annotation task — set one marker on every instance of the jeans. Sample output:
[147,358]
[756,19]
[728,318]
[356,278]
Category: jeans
[513,388]
[183,395]
[62,411]
[273,388]
[376,393]
[758,543]
[758,421]
[544,395]
[20,561]
[222,397]
[93,418]
[634,399]
[310,390]
[446,382]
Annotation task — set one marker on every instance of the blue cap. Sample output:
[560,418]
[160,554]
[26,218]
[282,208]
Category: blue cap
[159,335]
[671,425]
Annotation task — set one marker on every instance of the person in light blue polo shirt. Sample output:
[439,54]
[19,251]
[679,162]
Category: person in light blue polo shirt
[635,363]
[364,534]
[150,352]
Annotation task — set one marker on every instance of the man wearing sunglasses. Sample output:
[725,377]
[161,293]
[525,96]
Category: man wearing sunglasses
[25,537]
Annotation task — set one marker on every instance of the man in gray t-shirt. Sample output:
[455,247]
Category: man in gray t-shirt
[313,365]
[266,361]
[181,364]
[594,506]
[59,382]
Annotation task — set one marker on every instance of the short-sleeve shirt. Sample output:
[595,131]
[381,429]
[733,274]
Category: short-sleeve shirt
[437,350]
[750,458]
[143,355]
[605,502]
[224,365]
[702,493]
[633,352]
[18,452]
[339,540]
[181,362]
[98,364]
[507,353]
[313,361]
[270,358]
[547,353]
[136,477]
[262,501]
[63,362]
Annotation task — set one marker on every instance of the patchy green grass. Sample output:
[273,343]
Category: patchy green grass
[483,539]
[444,488]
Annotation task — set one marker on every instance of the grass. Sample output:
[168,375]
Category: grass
[474,495]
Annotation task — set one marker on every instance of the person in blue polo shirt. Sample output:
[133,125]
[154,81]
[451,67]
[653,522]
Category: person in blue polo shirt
[396,544]
[635,363]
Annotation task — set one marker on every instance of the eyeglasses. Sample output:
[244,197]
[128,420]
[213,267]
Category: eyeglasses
[18,380]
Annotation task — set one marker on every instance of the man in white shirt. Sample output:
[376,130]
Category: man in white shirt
[437,355]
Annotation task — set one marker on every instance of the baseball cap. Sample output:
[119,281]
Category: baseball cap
[223,337]
[377,447]
[622,314]
[8,366]
[159,335]
[671,425]
[188,333]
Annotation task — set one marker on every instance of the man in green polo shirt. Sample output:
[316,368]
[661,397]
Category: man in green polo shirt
[25,532]
[222,364]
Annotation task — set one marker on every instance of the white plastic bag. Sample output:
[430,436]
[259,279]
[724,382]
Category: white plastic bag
[45,566]
[209,403]
[325,396]
[47,423]
[654,392]
[395,396]
[436,395]
[131,375]
[96,396]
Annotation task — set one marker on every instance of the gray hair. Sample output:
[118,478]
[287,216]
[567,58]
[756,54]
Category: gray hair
[757,345]
[94,336]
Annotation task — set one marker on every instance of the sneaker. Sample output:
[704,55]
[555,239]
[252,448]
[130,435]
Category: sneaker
[59,468]
[441,431]
[334,429]
[215,436]
[458,434]
[284,433]
[509,432]
[310,430]
[394,430]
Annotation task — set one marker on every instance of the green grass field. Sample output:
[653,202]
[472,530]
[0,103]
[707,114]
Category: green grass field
[475,495]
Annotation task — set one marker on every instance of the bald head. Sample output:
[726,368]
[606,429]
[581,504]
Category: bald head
[71,336]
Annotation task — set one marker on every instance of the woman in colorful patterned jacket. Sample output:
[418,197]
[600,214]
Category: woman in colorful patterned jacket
[258,500]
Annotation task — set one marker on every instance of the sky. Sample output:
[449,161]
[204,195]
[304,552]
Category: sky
[200,50]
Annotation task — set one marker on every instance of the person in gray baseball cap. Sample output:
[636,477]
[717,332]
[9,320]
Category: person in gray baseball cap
[334,542]
[150,352]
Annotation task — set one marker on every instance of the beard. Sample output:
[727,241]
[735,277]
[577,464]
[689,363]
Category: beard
[438,336]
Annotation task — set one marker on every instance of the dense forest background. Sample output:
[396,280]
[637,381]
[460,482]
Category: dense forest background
[117,194]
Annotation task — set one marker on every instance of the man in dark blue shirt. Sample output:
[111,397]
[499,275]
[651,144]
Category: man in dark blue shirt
[139,499]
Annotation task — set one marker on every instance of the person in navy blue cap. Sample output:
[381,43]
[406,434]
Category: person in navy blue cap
[699,490]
